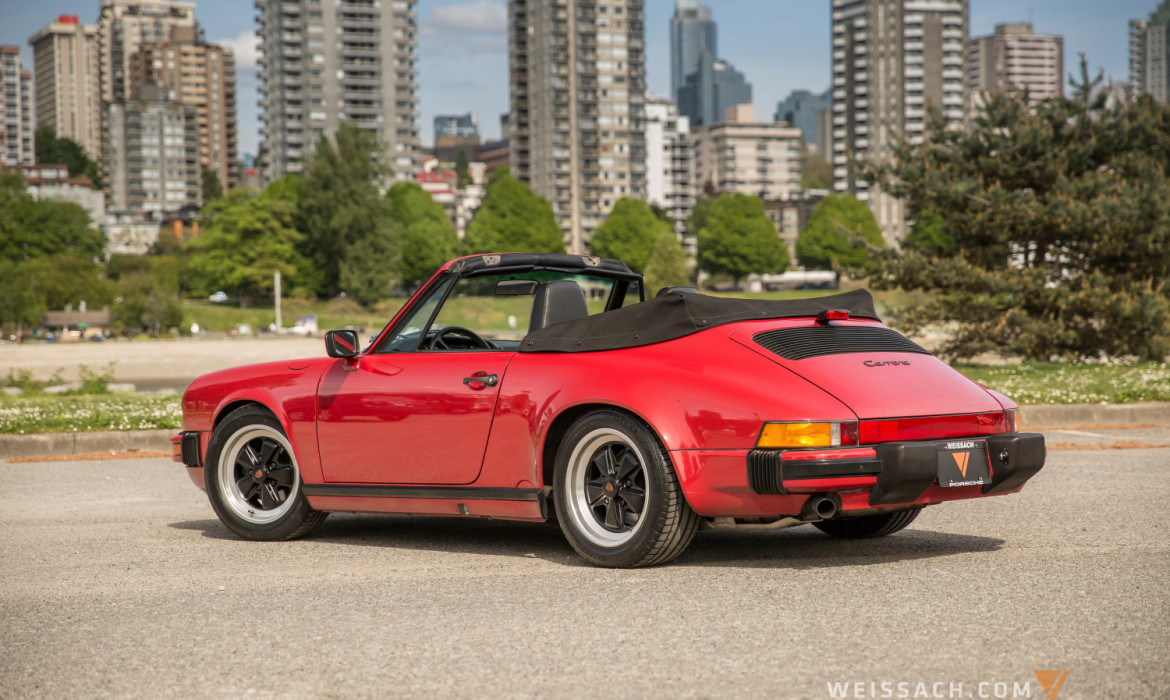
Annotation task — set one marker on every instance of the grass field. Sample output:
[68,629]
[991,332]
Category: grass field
[335,313]
[1070,383]
[1027,383]
[78,414]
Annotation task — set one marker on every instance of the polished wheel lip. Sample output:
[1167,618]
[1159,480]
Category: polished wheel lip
[228,478]
[580,511]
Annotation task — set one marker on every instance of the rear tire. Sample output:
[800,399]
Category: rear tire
[868,525]
[253,481]
[618,499]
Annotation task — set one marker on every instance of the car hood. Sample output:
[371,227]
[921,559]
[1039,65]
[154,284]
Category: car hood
[893,381]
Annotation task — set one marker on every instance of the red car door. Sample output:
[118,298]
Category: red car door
[408,418]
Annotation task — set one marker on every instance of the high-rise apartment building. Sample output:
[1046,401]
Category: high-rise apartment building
[154,153]
[203,76]
[578,84]
[66,67]
[692,33]
[123,26]
[456,134]
[1149,54]
[801,109]
[669,161]
[892,61]
[744,156]
[456,125]
[1015,59]
[703,85]
[712,90]
[328,62]
[16,110]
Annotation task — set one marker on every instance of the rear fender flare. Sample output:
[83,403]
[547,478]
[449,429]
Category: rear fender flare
[554,430]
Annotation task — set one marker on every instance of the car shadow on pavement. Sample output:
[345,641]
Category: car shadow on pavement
[795,548]
[805,547]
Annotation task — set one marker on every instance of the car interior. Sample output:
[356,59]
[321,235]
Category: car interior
[488,312]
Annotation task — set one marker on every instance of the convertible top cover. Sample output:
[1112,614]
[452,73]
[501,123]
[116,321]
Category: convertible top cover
[679,314]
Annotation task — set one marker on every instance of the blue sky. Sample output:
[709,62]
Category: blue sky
[781,45]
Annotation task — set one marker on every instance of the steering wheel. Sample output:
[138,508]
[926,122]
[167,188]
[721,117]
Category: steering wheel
[439,342]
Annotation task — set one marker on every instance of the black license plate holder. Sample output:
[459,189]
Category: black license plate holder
[963,463]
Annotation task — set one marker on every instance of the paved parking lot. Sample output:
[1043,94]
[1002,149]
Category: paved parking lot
[116,580]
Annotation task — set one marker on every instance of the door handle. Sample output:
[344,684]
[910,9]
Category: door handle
[488,379]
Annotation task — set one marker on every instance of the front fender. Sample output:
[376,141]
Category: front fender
[287,389]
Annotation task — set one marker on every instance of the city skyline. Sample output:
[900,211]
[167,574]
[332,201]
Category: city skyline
[463,60]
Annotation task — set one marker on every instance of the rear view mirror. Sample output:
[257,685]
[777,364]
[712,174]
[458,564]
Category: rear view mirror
[515,288]
[341,343]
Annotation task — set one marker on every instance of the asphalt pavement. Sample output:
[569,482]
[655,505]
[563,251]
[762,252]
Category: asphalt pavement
[117,580]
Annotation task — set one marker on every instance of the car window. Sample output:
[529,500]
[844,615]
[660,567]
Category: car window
[480,313]
[474,305]
[408,336]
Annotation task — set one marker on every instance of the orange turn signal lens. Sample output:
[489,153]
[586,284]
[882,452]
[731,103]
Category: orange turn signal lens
[800,435]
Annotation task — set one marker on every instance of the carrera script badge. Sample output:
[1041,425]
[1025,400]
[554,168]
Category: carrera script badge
[885,363]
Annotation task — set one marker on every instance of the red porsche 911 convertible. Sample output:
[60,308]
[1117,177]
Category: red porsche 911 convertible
[530,386]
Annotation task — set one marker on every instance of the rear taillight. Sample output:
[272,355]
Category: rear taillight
[790,435]
[933,427]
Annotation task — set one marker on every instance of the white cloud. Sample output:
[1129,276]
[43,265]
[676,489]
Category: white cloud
[477,17]
[246,48]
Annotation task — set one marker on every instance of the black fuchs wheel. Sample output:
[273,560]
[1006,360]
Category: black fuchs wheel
[253,480]
[868,525]
[617,496]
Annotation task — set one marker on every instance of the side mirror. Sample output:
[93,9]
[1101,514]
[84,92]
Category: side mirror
[341,343]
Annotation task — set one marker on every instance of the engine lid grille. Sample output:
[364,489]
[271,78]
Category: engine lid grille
[816,341]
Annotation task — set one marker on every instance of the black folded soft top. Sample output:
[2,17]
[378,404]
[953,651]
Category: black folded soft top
[679,314]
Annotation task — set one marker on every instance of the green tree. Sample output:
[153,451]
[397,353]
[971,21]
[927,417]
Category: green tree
[283,198]
[668,264]
[212,187]
[47,256]
[513,218]
[697,221]
[148,301]
[1059,217]
[64,151]
[815,172]
[21,303]
[838,235]
[367,273]
[426,239]
[31,228]
[341,204]
[462,170]
[243,244]
[290,188]
[661,212]
[28,288]
[929,235]
[630,233]
[739,239]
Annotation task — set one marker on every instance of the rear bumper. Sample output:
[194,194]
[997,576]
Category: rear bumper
[761,483]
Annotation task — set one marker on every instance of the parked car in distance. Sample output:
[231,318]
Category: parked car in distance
[218,297]
[529,386]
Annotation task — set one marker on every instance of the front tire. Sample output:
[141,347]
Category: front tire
[868,526]
[253,481]
[617,496]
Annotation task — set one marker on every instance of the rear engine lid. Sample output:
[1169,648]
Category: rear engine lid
[874,370]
